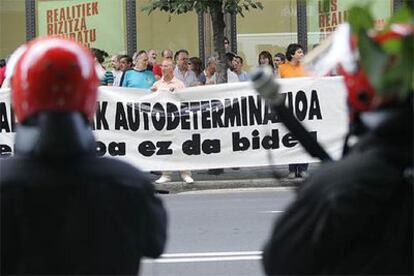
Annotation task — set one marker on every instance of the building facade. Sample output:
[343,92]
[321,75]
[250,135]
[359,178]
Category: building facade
[120,26]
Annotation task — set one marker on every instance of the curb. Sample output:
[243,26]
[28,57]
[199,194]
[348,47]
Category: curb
[180,186]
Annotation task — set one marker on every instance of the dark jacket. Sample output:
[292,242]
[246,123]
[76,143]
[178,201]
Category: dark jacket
[65,211]
[354,216]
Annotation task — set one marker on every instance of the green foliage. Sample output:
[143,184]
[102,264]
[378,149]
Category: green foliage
[402,15]
[216,9]
[372,58]
[184,6]
[388,65]
[360,19]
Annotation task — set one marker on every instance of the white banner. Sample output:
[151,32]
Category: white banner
[218,126]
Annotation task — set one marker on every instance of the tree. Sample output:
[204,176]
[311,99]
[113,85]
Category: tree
[216,9]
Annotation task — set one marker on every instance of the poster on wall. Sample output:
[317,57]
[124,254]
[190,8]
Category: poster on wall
[93,23]
[325,16]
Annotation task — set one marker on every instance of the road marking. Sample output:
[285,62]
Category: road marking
[238,190]
[271,212]
[209,254]
[207,257]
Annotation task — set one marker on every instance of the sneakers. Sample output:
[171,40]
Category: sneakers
[167,178]
[163,179]
[291,175]
[186,176]
[187,179]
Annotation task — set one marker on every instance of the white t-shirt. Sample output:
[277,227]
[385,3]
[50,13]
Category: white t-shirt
[188,78]
[117,77]
[232,77]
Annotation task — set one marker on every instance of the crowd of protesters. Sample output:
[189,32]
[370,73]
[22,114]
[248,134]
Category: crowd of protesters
[142,69]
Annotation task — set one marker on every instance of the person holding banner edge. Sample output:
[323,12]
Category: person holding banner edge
[293,69]
[63,209]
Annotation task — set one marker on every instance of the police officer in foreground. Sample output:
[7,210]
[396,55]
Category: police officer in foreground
[355,216]
[63,209]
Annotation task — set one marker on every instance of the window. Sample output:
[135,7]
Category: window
[158,32]
[275,30]
[323,19]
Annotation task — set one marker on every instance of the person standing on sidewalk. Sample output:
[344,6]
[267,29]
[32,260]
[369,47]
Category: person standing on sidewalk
[116,71]
[278,60]
[64,211]
[238,69]
[294,69]
[140,76]
[182,70]
[170,83]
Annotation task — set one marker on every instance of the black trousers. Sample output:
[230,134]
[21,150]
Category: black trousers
[301,167]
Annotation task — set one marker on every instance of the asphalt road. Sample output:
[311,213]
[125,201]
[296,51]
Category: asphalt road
[219,232]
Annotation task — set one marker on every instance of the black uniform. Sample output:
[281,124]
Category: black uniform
[65,211]
[354,216]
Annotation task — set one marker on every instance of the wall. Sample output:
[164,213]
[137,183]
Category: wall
[12,26]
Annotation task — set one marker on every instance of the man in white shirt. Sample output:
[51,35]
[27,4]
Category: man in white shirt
[210,71]
[238,65]
[116,71]
[231,76]
[181,71]
[170,83]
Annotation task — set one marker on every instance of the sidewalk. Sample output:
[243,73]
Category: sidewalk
[254,177]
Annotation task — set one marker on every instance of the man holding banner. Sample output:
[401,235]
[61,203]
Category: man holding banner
[171,84]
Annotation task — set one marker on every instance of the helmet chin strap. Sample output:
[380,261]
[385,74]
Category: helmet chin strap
[55,134]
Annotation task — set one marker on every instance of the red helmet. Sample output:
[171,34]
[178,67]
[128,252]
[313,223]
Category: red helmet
[54,74]
[360,91]
[362,96]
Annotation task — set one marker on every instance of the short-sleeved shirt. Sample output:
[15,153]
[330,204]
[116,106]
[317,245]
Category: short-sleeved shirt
[173,85]
[231,76]
[210,80]
[138,79]
[188,78]
[243,76]
[288,70]
[117,77]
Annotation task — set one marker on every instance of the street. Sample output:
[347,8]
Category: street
[218,232]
